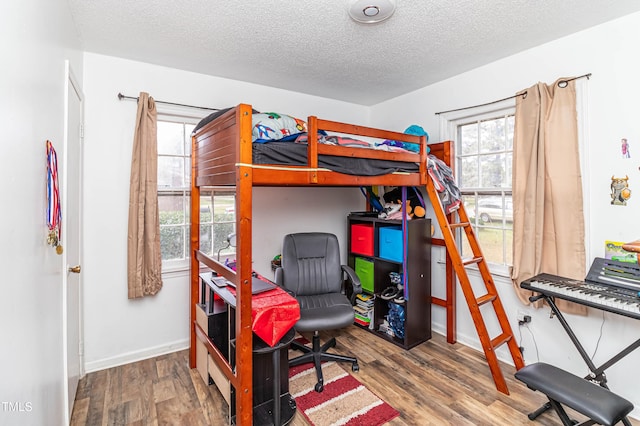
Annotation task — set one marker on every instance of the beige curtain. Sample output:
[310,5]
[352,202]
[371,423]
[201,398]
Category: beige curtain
[548,226]
[144,264]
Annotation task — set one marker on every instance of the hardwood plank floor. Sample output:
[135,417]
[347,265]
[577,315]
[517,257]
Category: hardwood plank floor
[432,384]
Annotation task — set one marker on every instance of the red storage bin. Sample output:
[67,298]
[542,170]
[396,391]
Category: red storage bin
[362,239]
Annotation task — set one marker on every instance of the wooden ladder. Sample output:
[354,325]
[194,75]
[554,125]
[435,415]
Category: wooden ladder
[475,303]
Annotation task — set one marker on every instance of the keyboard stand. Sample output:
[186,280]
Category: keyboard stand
[597,374]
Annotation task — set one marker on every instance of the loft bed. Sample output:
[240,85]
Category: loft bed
[223,154]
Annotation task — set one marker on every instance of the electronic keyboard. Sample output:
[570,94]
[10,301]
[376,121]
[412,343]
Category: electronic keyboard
[610,285]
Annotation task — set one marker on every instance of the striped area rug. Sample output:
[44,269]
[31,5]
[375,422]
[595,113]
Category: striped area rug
[344,401]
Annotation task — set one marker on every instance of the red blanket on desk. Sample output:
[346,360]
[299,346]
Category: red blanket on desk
[273,313]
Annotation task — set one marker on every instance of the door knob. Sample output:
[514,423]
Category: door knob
[74,269]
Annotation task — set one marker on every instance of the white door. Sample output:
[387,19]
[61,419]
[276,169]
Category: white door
[71,240]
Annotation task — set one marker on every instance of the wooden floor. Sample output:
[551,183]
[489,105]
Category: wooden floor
[432,384]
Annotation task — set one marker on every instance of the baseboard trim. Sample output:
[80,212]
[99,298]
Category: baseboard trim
[473,343]
[134,356]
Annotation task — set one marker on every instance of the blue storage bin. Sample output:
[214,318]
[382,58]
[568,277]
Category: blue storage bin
[390,243]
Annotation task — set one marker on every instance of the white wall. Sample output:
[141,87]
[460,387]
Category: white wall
[118,330]
[37,38]
[611,101]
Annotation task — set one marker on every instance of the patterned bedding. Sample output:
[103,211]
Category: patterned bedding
[281,139]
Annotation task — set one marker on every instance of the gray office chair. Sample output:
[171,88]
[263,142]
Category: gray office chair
[312,273]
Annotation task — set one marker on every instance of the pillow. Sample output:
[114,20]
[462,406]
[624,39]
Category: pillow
[213,116]
[271,126]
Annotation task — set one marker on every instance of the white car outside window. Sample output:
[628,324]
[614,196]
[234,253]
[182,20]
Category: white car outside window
[492,211]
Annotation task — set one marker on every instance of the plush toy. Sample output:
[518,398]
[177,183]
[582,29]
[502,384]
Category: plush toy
[413,207]
[415,211]
[391,211]
[394,210]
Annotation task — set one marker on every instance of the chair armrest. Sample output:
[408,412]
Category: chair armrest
[354,280]
[279,276]
[279,280]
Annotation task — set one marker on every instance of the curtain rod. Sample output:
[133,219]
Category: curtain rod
[121,97]
[561,83]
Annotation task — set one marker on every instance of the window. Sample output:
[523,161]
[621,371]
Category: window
[174,184]
[217,211]
[484,155]
[484,160]
[218,222]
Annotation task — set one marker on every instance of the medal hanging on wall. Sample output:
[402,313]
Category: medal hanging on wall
[54,213]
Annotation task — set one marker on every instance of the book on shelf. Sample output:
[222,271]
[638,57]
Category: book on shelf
[361,309]
[365,318]
[364,304]
[362,322]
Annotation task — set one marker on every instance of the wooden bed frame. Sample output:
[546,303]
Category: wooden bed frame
[222,156]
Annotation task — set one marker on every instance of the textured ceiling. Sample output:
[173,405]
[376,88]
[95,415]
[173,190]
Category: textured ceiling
[314,47]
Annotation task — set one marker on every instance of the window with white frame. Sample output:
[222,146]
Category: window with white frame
[484,155]
[218,222]
[217,211]
[174,185]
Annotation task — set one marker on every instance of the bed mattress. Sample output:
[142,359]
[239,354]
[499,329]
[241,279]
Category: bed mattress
[293,154]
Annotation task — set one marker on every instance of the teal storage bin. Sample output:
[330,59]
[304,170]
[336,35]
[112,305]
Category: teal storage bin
[390,243]
[364,271]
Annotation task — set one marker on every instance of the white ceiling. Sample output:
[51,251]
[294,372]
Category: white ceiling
[313,47]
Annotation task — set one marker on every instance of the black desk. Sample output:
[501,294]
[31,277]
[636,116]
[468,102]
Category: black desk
[270,363]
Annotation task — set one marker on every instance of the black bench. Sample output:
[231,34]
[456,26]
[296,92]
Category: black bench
[600,405]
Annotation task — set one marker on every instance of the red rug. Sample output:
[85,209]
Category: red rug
[344,400]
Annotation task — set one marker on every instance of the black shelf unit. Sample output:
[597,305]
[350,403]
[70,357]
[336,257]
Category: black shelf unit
[270,363]
[417,306]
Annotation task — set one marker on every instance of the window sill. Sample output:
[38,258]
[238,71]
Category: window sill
[497,271]
[500,273]
[175,270]
[179,267]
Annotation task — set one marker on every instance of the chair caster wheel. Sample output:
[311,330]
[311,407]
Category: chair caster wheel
[355,367]
[319,387]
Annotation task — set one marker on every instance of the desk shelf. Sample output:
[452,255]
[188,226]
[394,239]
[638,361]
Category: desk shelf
[266,360]
[216,316]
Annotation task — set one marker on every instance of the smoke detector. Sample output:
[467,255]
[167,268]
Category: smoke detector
[371,11]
